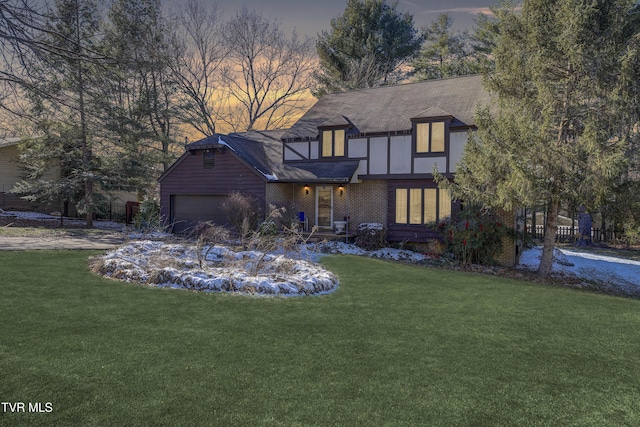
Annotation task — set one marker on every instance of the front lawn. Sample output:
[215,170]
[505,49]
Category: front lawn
[395,345]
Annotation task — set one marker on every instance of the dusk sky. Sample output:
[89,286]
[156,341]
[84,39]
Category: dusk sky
[310,17]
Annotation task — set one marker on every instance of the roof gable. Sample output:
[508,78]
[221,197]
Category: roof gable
[433,112]
[336,121]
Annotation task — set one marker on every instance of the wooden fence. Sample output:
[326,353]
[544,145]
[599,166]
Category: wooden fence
[568,234]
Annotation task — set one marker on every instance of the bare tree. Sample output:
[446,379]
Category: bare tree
[267,74]
[200,56]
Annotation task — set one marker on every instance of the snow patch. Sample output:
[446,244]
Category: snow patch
[221,142]
[619,272]
[250,272]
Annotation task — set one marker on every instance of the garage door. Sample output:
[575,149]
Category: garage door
[188,210]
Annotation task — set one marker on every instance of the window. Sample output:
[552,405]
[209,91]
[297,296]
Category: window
[401,205]
[422,205]
[430,197]
[430,137]
[208,159]
[333,143]
[415,206]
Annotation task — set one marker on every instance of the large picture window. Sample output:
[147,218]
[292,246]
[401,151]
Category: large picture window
[422,205]
[333,143]
[430,137]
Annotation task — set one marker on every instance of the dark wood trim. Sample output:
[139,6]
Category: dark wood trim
[459,128]
[443,118]
[390,177]
[389,154]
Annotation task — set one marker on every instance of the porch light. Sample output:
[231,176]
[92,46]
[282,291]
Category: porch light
[341,189]
[306,188]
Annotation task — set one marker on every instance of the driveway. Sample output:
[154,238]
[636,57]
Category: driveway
[62,242]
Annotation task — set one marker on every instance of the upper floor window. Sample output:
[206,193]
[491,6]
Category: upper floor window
[430,137]
[333,143]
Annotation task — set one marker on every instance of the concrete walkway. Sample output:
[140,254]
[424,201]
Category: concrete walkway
[64,242]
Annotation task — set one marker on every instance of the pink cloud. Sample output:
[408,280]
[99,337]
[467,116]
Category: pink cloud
[468,10]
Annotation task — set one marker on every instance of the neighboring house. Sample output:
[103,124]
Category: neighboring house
[10,174]
[366,156]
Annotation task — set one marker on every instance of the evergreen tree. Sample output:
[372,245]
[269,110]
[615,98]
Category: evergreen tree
[483,41]
[57,50]
[99,96]
[138,101]
[445,53]
[448,53]
[565,123]
[52,166]
[365,47]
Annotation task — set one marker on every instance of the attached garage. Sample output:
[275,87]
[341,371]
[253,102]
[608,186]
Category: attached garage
[187,210]
[195,187]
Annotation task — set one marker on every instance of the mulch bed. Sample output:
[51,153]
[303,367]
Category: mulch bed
[41,223]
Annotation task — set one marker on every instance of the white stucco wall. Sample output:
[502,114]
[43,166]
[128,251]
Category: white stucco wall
[378,156]
[457,141]
[425,164]
[358,147]
[400,161]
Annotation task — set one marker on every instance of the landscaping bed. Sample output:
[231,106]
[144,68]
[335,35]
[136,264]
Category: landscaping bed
[214,269]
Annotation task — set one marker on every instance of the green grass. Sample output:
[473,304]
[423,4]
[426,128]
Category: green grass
[395,345]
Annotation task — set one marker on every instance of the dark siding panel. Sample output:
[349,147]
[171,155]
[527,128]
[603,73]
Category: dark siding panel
[229,174]
[187,211]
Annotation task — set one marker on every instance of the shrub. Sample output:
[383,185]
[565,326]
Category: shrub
[371,236]
[475,236]
[266,238]
[207,235]
[148,217]
[243,212]
[267,228]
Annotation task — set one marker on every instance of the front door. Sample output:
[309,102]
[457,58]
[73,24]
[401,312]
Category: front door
[324,207]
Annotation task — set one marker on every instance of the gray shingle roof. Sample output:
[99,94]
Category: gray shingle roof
[390,108]
[9,142]
[262,150]
[383,109]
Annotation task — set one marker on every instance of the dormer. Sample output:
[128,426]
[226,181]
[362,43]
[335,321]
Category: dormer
[431,132]
[332,136]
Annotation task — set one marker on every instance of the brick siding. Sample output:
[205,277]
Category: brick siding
[363,202]
[507,256]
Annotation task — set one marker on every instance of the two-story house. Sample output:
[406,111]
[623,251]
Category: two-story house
[366,156]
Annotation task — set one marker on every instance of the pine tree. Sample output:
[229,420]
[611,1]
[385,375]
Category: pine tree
[566,112]
[58,55]
[365,47]
[445,53]
[138,99]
